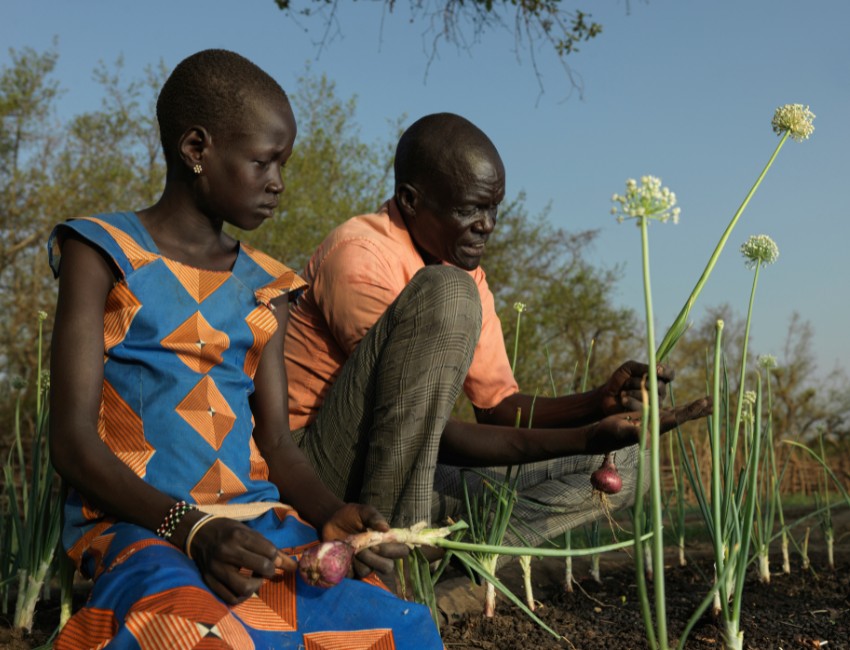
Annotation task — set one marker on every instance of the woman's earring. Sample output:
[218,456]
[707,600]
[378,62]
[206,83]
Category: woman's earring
[197,169]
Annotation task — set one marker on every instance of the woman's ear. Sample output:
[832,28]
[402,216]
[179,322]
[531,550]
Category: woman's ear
[407,198]
[192,146]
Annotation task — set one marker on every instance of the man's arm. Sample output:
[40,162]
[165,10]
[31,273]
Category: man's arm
[472,444]
[620,394]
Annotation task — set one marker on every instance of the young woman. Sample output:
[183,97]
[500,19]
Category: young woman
[188,496]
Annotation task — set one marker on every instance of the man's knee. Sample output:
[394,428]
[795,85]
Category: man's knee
[449,293]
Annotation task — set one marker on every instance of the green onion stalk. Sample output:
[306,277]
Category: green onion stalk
[769,503]
[592,535]
[645,202]
[768,363]
[804,551]
[569,579]
[524,560]
[822,503]
[794,120]
[470,553]
[676,515]
[567,539]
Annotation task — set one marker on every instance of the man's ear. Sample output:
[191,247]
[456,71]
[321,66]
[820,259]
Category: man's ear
[193,144]
[407,198]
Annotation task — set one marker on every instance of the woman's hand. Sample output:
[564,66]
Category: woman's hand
[234,560]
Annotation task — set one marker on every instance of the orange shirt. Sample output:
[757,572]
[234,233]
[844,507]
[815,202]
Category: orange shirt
[354,275]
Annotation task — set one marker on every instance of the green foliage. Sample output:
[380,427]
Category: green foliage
[105,159]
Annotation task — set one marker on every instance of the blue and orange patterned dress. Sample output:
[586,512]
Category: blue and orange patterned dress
[182,346]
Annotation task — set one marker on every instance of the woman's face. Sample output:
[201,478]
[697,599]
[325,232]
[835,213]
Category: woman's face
[241,182]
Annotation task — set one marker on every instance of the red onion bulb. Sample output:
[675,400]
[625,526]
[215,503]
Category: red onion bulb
[326,564]
[606,479]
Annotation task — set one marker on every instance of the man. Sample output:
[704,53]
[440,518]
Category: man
[398,318]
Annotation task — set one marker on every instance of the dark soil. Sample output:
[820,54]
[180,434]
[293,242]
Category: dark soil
[806,609]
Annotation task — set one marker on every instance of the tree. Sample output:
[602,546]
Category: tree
[804,400]
[804,403]
[462,22]
[101,160]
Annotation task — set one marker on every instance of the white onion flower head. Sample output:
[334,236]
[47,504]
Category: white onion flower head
[794,118]
[759,249]
[750,397]
[519,306]
[42,316]
[767,361]
[649,200]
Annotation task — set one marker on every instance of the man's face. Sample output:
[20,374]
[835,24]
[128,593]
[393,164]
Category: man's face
[454,215]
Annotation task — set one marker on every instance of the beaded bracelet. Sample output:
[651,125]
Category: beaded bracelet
[172,519]
[187,548]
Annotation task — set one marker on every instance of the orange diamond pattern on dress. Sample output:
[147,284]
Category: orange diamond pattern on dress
[357,640]
[269,264]
[185,617]
[259,470]
[88,629]
[121,307]
[136,255]
[200,283]
[207,412]
[122,431]
[273,607]
[197,343]
[263,324]
[286,283]
[219,485]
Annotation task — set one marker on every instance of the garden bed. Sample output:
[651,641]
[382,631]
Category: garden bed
[800,610]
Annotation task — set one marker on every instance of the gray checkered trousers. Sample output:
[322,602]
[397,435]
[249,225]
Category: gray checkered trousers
[377,434]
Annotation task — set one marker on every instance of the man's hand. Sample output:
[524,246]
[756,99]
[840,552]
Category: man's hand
[623,429]
[355,518]
[622,392]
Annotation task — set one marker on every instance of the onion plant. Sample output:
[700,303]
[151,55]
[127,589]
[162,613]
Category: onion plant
[645,202]
[34,505]
[768,363]
[524,560]
[822,504]
[675,502]
[769,501]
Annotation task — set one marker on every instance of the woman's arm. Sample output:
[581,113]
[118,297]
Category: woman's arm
[86,463]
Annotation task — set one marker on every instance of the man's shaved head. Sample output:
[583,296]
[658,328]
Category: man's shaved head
[439,148]
[449,182]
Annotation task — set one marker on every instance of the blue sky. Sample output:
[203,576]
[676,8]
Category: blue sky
[683,90]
